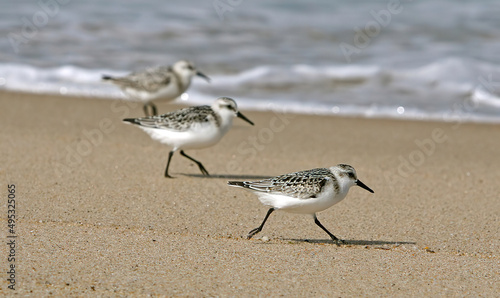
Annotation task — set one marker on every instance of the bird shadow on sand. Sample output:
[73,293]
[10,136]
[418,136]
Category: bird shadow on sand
[353,242]
[228,176]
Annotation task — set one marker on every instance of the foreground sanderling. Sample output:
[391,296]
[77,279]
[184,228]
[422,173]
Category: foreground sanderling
[191,128]
[305,192]
[157,83]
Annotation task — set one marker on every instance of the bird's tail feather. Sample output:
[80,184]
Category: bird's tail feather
[106,77]
[236,183]
[131,120]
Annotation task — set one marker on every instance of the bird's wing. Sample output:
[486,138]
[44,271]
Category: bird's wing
[302,185]
[151,79]
[180,120]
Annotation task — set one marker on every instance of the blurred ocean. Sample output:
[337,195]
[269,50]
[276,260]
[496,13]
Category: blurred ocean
[421,59]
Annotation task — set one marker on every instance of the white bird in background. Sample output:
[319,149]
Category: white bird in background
[305,192]
[191,128]
[163,83]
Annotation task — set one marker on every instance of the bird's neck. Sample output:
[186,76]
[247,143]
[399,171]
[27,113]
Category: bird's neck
[183,82]
[342,181]
[225,120]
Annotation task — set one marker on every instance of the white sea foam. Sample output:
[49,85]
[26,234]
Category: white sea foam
[439,91]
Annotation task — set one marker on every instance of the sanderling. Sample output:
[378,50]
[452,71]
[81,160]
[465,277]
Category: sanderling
[157,83]
[305,192]
[191,128]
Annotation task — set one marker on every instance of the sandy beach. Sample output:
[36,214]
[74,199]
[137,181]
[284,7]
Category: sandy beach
[95,216]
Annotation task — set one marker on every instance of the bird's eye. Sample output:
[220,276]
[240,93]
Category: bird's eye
[190,67]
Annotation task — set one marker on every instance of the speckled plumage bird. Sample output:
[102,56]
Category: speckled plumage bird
[191,128]
[306,192]
[163,83]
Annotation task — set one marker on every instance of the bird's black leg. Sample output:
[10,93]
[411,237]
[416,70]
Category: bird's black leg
[153,108]
[154,111]
[202,168]
[256,230]
[337,240]
[170,154]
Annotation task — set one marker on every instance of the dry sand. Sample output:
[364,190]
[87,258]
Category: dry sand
[95,216]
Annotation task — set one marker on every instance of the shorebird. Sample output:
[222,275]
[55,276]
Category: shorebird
[305,192]
[191,128]
[163,83]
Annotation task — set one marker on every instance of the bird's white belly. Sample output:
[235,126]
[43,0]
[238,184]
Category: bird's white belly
[324,201]
[167,93]
[199,137]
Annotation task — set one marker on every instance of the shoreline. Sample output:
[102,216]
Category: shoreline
[122,105]
[97,217]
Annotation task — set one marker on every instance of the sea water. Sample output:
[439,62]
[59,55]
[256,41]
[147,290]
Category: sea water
[420,59]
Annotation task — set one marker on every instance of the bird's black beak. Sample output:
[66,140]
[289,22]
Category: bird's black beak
[240,115]
[200,74]
[362,185]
